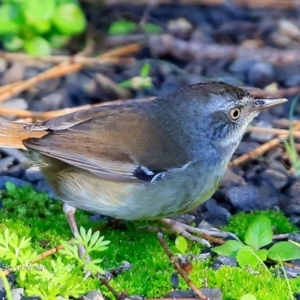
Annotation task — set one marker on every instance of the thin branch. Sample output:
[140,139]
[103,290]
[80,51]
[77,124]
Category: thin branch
[261,149]
[178,268]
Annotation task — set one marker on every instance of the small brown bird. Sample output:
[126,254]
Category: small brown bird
[143,160]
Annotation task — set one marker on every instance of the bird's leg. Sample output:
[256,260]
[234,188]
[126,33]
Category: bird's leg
[69,211]
[188,231]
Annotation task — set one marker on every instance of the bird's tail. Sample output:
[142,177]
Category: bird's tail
[13,134]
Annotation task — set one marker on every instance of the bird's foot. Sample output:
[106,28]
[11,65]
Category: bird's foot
[191,232]
[70,214]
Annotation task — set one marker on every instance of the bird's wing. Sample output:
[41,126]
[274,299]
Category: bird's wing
[119,143]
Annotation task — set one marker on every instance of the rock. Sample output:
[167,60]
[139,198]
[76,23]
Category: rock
[16,153]
[43,186]
[261,74]
[231,179]
[242,197]
[6,162]
[294,189]
[276,174]
[15,103]
[224,261]
[259,136]
[94,295]
[13,74]
[33,174]
[211,294]
[17,294]
[14,180]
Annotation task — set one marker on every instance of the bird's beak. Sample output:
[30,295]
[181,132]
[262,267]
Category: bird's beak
[261,104]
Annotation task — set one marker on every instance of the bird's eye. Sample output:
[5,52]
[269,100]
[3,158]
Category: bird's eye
[235,114]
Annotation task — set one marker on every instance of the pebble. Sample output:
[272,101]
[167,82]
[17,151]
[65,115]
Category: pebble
[231,179]
[93,295]
[14,180]
[16,153]
[17,294]
[259,136]
[294,189]
[242,198]
[211,294]
[222,260]
[276,174]
[33,174]
[261,74]
[6,162]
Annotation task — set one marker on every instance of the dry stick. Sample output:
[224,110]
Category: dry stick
[275,131]
[261,149]
[7,87]
[57,71]
[178,268]
[189,51]
[248,3]
[84,61]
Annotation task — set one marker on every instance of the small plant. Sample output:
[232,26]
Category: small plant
[58,278]
[290,145]
[143,81]
[123,27]
[91,242]
[39,26]
[252,253]
[239,223]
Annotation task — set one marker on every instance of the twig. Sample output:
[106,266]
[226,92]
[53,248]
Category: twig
[275,131]
[57,71]
[178,268]
[55,59]
[261,149]
[195,50]
[110,288]
[285,4]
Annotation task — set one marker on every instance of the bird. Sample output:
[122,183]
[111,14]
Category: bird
[140,160]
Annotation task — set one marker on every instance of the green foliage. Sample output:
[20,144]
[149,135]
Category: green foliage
[290,144]
[181,244]
[34,215]
[248,297]
[239,223]
[35,26]
[48,283]
[143,81]
[92,243]
[123,27]
[258,235]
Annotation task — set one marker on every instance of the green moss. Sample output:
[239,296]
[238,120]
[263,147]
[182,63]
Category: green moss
[239,223]
[34,215]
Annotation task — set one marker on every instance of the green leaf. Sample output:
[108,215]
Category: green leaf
[37,46]
[122,27]
[10,187]
[152,28]
[145,71]
[69,19]
[10,18]
[39,10]
[57,41]
[248,297]
[247,256]
[40,26]
[181,244]
[259,233]
[284,251]
[229,248]
[12,43]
